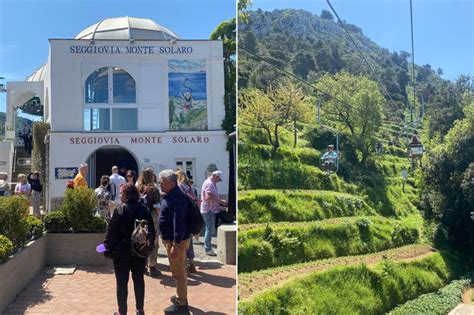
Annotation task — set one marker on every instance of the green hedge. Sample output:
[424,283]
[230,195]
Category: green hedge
[56,221]
[440,302]
[352,290]
[270,174]
[35,227]
[260,206]
[280,244]
[13,214]
[78,207]
[6,248]
[248,152]
[76,213]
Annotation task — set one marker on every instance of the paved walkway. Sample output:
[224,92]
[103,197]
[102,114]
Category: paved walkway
[463,309]
[91,290]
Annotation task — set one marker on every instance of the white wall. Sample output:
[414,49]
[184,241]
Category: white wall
[69,71]
[6,157]
[66,152]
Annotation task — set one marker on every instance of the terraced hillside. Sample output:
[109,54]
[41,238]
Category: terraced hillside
[346,243]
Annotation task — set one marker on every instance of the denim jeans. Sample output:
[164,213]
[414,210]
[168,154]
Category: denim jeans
[210,221]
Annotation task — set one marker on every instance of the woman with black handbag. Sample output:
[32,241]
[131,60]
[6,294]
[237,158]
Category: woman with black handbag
[129,241]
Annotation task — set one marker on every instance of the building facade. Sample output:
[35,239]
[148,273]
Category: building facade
[130,93]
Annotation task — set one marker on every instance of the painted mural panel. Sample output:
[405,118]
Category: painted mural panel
[187,94]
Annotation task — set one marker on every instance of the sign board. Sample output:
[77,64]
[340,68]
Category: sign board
[65,172]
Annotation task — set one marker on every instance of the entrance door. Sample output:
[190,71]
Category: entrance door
[104,158]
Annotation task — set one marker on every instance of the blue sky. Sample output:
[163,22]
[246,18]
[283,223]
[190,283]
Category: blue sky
[443,29]
[26,25]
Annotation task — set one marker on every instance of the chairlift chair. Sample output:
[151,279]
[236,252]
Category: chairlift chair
[330,164]
[379,148]
[415,153]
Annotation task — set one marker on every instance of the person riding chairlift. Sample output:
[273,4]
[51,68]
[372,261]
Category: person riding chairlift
[329,159]
[379,148]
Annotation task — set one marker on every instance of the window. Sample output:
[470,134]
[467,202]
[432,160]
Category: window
[116,111]
[124,87]
[96,119]
[97,87]
[124,119]
[187,166]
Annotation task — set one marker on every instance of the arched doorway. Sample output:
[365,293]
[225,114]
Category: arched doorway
[101,161]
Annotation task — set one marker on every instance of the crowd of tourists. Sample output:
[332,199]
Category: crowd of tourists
[156,207]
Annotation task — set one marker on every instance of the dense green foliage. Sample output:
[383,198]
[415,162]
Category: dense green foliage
[56,221]
[77,206]
[352,290]
[298,41]
[13,218]
[437,303]
[357,111]
[271,174]
[227,33]
[260,206]
[274,109]
[16,226]
[441,184]
[281,244]
[6,247]
[448,195]
[35,227]
[39,156]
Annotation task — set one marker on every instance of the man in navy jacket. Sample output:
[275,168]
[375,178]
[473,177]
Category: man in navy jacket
[176,237]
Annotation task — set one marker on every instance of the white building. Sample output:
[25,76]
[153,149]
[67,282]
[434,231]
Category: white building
[128,92]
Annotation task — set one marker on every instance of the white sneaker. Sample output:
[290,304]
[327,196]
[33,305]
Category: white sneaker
[211,253]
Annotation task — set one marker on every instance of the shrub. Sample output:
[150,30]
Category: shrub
[56,221]
[440,302]
[364,290]
[39,156]
[98,225]
[13,214]
[256,253]
[35,227]
[78,205]
[277,174]
[6,247]
[300,242]
[260,206]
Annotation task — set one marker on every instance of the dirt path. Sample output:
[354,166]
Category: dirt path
[467,296]
[252,283]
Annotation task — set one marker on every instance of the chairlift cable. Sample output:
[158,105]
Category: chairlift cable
[364,58]
[295,77]
[412,61]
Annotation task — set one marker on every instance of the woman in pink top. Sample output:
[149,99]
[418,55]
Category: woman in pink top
[23,187]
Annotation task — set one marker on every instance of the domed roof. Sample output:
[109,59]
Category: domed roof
[126,28]
[38,75]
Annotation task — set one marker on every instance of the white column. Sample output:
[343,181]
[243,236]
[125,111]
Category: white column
[10,119]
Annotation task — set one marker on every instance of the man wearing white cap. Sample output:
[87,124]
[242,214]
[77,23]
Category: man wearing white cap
[210,206]
[116,182]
